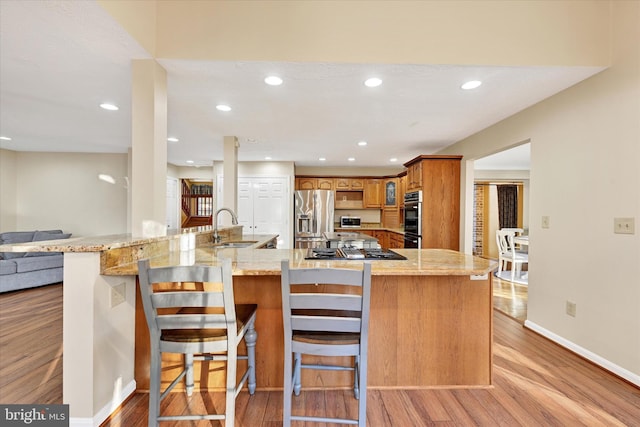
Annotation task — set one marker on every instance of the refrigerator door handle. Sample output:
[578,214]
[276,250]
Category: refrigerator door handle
[315,214]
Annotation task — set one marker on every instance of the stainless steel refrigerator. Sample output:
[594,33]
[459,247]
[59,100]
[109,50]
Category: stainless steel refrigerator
[313,216]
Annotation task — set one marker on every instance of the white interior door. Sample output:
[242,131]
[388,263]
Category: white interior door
[173,207]
[263,206]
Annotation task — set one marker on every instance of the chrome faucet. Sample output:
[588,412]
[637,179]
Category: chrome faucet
[234,221]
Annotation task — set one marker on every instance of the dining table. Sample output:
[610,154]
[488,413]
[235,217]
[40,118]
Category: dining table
[521,240]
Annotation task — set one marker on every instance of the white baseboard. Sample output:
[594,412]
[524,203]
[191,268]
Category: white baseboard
[106,410]
[598,360]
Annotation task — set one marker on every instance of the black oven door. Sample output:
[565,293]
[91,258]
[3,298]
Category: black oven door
[412,218]
[412,241]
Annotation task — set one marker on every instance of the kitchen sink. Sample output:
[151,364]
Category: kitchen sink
[237,244]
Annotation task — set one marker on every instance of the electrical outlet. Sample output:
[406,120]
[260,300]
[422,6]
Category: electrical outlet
[571,308]
[545,222]
[118,294]
[624,226]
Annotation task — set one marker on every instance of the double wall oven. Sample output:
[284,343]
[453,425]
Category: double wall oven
[413,219]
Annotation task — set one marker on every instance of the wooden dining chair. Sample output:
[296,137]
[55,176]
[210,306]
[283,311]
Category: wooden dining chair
[325,322]
[201,325]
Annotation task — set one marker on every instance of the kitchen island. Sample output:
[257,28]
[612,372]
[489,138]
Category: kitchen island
[430,323]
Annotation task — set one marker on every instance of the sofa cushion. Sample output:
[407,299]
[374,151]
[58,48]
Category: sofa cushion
[7,267]
[15,237]
[38,263]
[40,236]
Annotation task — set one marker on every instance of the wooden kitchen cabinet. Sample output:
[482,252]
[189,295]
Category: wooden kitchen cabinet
[348,183]
[306,183]
[314,184]
[440,184]
[373,193]
[414,176]
[396,240]
[402,189]
[390,189]
[324,184]
[391,217]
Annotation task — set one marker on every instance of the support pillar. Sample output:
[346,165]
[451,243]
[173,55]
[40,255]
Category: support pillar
[230,174]
[149,148]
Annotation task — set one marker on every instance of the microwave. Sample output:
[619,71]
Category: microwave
[350,222]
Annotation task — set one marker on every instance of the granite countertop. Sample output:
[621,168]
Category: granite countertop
[104,243]
[248,262]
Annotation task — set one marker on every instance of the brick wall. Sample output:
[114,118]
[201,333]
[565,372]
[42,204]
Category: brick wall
[478,219]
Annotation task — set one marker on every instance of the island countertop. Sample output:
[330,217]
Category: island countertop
[251,262]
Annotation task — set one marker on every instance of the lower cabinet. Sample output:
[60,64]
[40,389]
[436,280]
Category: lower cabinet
[396,240]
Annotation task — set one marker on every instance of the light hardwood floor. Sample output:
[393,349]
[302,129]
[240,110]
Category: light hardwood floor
[536,383]
[510,298]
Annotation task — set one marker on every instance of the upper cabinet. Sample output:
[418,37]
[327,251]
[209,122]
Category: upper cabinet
[414,176]
[348,183]
[390,190]
[314,184]
[373,193]
[402,188]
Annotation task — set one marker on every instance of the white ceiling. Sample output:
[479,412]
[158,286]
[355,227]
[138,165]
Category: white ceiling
[60,59]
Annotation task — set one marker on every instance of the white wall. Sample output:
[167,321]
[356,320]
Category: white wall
[62,190]
[585,153]
[8,190]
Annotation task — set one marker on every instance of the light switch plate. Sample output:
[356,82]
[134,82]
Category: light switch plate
[545,222]
[571,308]
[624,226]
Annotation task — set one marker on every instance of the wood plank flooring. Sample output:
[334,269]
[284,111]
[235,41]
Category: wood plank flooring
[536,383]
[510,298]
[31,345]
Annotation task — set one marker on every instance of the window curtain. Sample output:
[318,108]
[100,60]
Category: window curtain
[508,206]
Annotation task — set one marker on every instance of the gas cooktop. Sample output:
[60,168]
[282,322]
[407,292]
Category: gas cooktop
[354,253]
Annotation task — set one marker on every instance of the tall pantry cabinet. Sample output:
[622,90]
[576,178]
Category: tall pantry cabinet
[438,176]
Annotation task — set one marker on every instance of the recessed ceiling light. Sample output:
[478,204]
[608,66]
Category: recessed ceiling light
[393,159]
[362,143]
[189,162]
[109,107]
[472,84]
[373,82]
[322,159]
[172,139]
[273,80]
[351,159]
[5,138]
[222,107]
[267,158]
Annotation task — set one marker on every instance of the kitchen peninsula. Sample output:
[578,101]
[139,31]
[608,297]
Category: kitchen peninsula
[430,323]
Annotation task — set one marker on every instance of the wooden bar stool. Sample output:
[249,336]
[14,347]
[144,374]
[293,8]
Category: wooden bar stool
[201,325]
[332,323]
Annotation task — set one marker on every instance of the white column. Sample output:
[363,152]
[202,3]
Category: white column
[149,148]
[230,174]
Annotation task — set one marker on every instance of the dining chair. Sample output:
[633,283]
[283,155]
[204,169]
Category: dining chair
[508,253]
[200,324]
[325,313]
